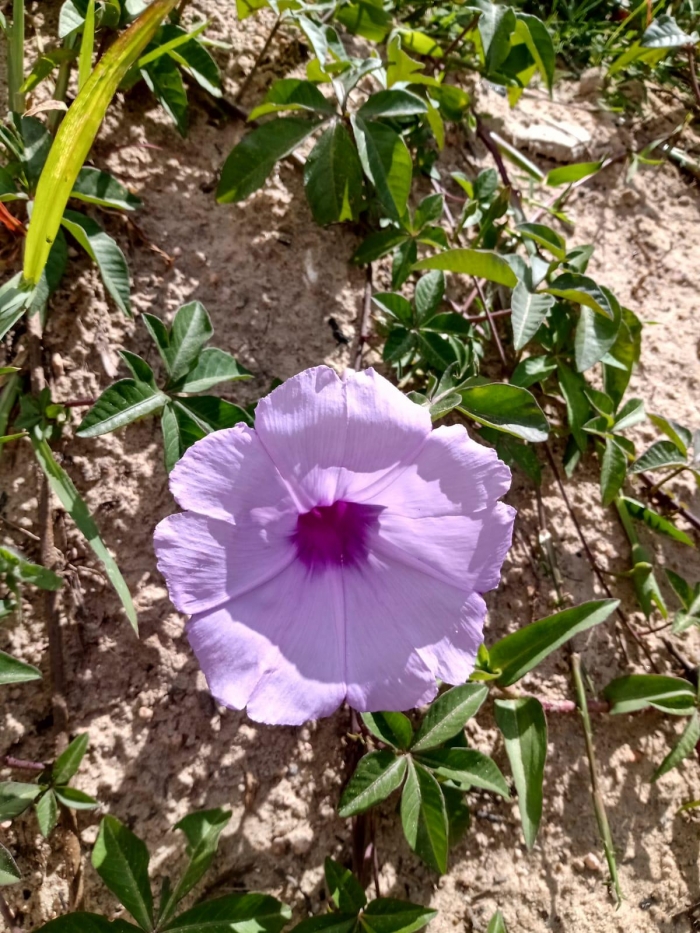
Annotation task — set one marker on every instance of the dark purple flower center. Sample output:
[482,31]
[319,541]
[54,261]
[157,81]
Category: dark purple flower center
[335,535]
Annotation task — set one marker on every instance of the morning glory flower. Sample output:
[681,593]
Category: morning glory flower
[337,552]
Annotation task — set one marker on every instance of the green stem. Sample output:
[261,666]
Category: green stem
[598,804]
[61,88]
[662,482]
[15,50]
[8,397]
[630,530]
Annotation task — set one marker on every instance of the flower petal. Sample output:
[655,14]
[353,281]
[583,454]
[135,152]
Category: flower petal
[451,475]
[332,438]
[405,629]
[228,475]
[466,551]
[206,561]
[278,648]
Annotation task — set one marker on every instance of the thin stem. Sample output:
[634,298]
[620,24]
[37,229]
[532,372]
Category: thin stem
[667,501]
[593,562]
[598,802]
[366,318]
[547,546]
[662,482]
[61,89]
[21,764]
[456,41]
[256,64]
[489,317]
[693,74]
[15,71]
[482,131]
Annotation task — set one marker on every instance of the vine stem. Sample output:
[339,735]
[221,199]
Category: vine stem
[256,64]
[693,74]
[366,317]
[593,562]
[667,500]
[598,802]
[21,764]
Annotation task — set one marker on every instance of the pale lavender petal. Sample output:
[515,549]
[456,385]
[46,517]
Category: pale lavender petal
[464,550]
[332,438]
[278,648]
[302,427]
[228,475]
[451,475]
[206,561]
[404,629]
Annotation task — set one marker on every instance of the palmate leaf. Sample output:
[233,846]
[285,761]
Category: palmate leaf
[377,776]
[424,817]
[393,728]
[252,160]
[16,797]
[121,859]
[13,671]
[105,252]
[190,331]
[387,163]
[448,715]
[72,502]
[333,178]
[77,132]
[524,729]
[235,913]
[164,79]
[123,402]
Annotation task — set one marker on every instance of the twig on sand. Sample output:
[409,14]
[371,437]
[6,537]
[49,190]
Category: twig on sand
[366,318]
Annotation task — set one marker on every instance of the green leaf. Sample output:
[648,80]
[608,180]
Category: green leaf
[87,45]
[333,178]
[87,923]
[681,437]
[506,408]
[532,370]
[293,94]
[497,924]
[529,309]
[595,336]
[77,132]
[377,775]
[613,470]
[482,263]
[580,289]
[568,174]
[68,762]
[24,571]
[467,767]
[328,923]
[656,522]
[105,252]
[392,103]
[212,367]
[119,405]
[103,189]
[682,749]
[402,262]
[633,692]
[660,455]
[191,329]
[665,33]
[386,162]
[15,798]
[539,44]
[202,830]
[9,873]
[138,368]
[366,19]
[212,413]
[71,501]
[14,301]
[13,671]
[377,244]
[180,431]
[387,915]
[546,237]
[448,715]
[251,161]
[424,817]
[578,409]
[121,859]
[343,888]
[393,728]
[235,913]
[47,813]
[458,815]
[524,729]
[165,82]
[631,413]
[429,293]
[75,799]
[37,145]
[516,654]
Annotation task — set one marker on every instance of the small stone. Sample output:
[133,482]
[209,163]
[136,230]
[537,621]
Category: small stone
[145,713]
[592,862]
[301,840]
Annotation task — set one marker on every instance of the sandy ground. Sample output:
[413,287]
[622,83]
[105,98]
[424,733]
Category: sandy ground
[159,747]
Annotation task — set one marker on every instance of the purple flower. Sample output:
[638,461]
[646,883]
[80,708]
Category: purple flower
[336,552]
